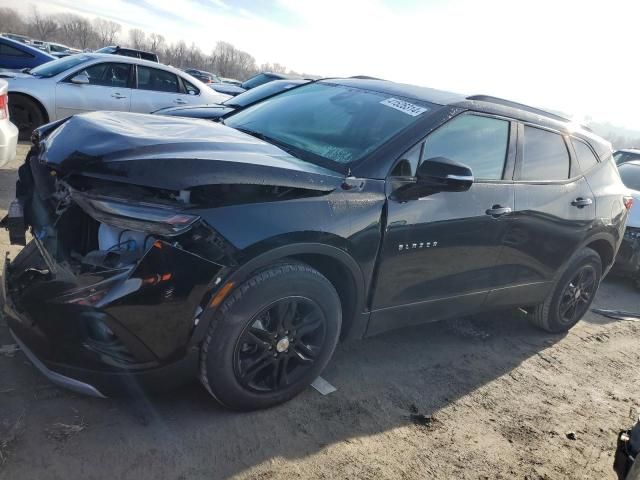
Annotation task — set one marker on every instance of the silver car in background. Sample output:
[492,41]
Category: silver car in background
[94,81]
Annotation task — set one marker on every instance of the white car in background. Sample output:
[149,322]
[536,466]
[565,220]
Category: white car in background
[95,81]
[8,131]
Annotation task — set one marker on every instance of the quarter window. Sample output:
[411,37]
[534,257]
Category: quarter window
[545,155]
[157,80]
[9,51]
[108,74]
[476,141]
[190,88]
[586,158]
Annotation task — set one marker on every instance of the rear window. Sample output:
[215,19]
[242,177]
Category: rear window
[545,155]
[586,158]
[630,175]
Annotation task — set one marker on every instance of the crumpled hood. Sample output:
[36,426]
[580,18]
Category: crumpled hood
[173,153]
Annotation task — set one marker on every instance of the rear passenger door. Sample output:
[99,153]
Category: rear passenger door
[554,209]
[156,89]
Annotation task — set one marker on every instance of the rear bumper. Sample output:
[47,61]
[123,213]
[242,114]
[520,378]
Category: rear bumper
[627,261]
[8,141]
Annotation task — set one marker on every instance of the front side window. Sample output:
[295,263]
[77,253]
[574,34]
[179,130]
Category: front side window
[478,142]
[630,175]
[9,51]
[108,74]
[329,122]
[545,155]
[157,80]
[586,157]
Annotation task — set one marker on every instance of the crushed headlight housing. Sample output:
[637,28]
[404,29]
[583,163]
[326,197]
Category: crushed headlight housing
[161,220]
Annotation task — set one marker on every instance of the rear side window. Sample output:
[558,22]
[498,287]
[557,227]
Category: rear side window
[545,155]
[10,51]
[157,80]
[478,142]
[586,158]
[108,74]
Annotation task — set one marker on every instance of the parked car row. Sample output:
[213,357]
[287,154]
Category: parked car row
[239,252]
[15,55]
[97,81]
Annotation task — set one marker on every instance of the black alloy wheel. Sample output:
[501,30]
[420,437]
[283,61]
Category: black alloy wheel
[25,114]
[577,295]
[280,344]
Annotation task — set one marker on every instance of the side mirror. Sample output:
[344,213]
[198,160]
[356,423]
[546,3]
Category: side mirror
[435,175]
[444,175]
[81,79]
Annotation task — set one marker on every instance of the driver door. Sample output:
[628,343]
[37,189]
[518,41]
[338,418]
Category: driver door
[440,253]
[108,88]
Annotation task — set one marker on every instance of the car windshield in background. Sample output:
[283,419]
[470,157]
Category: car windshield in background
[55,67]
[257,80]
[630,175]
[260,92]
[327,121]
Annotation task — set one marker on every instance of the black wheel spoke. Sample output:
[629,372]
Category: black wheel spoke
[311,322]
[280,344]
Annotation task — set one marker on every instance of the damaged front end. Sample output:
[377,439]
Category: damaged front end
[114,280]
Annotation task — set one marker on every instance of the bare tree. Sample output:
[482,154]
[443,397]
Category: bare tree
[156,42]
[106,31]
[41,26]
[137,39]
[273,67]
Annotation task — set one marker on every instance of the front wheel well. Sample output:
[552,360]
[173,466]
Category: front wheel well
[343,281]
[34,100]
[604,249]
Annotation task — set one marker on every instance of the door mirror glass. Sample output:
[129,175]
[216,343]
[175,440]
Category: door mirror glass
[444,175]
[435,175]
[81,79]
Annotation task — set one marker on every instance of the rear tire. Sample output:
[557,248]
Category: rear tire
[571,295]
[271,337]
[26,114]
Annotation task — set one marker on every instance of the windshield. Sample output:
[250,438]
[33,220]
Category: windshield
[630,175]
[55,67]
[260,92]
[331,122]
[257,80]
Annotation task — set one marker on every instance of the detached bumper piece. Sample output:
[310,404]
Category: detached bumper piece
[626,463]
[14,223]
[60,380]
[105,330]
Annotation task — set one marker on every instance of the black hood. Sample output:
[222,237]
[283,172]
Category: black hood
[173,153]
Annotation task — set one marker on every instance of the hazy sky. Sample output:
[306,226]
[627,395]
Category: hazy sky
[580,57]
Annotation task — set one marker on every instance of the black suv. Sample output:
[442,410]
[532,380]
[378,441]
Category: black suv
[129,52]
[166,248]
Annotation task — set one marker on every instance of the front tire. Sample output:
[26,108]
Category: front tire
[25,114]
[571,295]
[271,337]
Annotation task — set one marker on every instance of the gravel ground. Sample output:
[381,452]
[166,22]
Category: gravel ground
[486,397]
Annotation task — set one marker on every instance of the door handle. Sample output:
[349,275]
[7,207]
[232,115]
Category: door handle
[118,96]
[180,101]
[581,202]
[498,211]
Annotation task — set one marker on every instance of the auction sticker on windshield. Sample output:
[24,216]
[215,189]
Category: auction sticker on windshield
[405,107]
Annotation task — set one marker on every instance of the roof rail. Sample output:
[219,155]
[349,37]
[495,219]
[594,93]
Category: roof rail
[520,106]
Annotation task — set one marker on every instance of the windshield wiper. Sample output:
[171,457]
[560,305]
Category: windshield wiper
[261,136]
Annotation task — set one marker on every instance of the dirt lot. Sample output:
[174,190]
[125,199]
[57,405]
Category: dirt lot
[474,398]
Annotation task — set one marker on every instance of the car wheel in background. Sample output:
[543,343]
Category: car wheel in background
[571,295]
[271,337]
[25,114]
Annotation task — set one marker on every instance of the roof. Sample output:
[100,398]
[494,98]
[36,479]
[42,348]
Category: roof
[483,103]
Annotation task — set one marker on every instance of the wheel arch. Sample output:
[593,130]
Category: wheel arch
[604,248]
[34,99]
[334,263]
